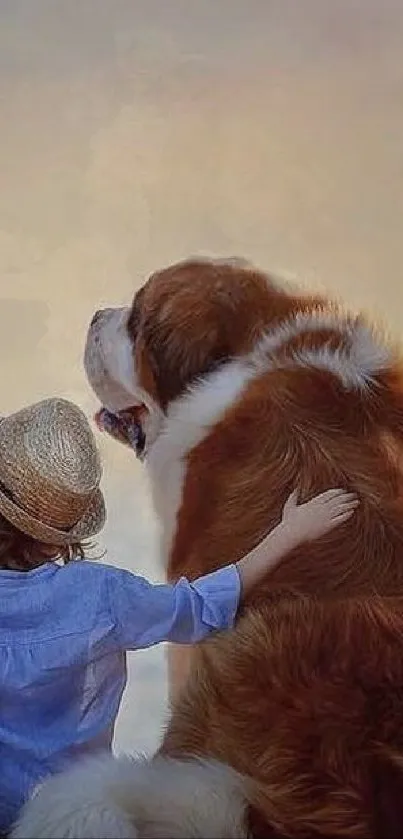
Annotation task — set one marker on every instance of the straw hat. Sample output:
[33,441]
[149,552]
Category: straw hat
[50,472]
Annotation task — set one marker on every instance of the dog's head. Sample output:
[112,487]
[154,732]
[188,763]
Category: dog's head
[185,322]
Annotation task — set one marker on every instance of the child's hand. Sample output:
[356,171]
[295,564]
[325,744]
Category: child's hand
[318,516]
[300,523]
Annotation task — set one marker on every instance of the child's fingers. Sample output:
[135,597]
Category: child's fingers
[339,515]
[336,520]
[329,498]
[347,510]
[335,496]
[329,494]
[345,504]
[336,513]
[334,501]
[343,516]
[346,498]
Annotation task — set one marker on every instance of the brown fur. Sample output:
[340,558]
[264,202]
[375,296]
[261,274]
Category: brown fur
[319,436]
[306,696]
[189,319]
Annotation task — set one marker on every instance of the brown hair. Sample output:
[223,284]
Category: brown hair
[20,552]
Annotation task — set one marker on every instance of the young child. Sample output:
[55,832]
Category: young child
[65,626]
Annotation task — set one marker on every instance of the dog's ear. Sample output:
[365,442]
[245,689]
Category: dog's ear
[170,358]
[182,332]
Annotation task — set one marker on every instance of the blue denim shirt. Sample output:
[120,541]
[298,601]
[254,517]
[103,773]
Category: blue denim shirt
[64,633]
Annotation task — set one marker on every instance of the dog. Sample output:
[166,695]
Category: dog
[245,389]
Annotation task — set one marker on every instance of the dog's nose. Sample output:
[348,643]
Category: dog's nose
[96,317]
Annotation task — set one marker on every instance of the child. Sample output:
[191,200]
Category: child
[65,628]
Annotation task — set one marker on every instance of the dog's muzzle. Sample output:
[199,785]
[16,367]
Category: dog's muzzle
[108,359]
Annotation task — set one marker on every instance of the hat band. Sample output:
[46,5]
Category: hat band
[11,497]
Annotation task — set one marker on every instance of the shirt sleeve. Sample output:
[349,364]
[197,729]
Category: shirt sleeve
[145,614]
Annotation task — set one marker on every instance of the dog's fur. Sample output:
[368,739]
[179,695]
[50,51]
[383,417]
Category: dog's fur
[254,389]
[108,798]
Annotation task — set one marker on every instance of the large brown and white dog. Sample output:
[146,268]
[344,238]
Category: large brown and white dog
[250,390]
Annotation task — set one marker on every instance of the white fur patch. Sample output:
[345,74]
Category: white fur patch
[117,349]
[79,803]
[122,798]
[108,360]
[188,422]
[356,365]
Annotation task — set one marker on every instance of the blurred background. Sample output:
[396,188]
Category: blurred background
[137,132]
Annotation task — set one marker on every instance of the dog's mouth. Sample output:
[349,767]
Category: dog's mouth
[125,427]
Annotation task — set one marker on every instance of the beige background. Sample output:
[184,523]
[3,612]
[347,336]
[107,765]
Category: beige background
[136,132]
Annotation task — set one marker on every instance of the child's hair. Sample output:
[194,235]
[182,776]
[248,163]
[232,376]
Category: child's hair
[20,552]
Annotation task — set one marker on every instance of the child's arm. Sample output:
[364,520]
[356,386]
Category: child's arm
[185,613]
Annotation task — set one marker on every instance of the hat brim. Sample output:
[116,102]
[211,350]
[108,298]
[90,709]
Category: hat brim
[89,525]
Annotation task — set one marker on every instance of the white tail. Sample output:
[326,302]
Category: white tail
[124,798]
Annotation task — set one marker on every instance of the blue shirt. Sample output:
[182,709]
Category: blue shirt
[64,633]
